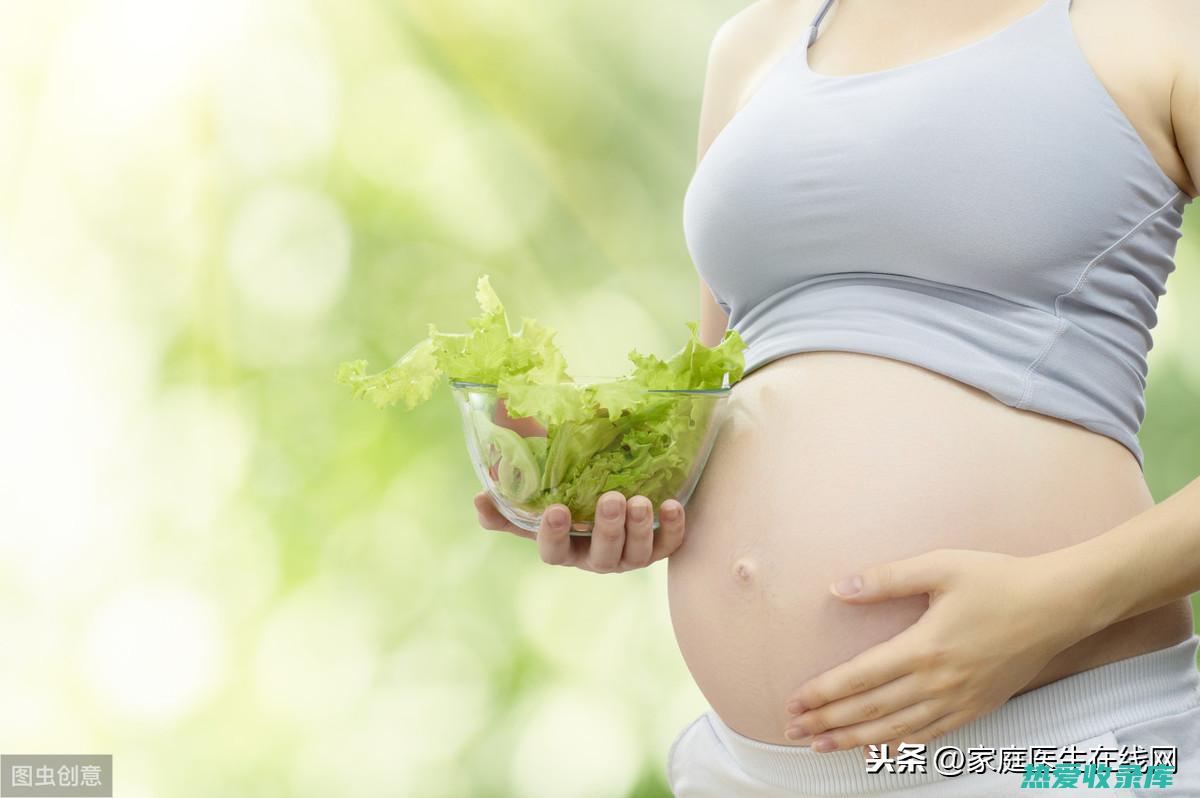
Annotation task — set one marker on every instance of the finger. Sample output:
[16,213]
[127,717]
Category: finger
[670,530]
[943,725]
[924,573]
[608,533]
[875,703]
[554,536]
[639,533]
[877,665]
[896,726]
[525,426]
[491,518]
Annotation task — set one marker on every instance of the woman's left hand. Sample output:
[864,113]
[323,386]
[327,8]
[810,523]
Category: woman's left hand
[993,622]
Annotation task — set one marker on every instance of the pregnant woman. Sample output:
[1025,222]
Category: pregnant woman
[942,229]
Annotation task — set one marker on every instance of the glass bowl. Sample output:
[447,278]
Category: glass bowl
[657,451]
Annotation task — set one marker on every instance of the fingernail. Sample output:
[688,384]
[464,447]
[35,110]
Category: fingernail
[556,517]
[848,585]
[670,512]
[611,507]
[823,745]
[798,735]
[637,511]
[795,707]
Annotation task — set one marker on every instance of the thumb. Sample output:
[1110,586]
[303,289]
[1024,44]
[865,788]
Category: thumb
[924,573]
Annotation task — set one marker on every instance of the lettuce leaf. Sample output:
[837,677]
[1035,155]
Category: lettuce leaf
[510,457]
[634,434]
[410,380]
[488,353]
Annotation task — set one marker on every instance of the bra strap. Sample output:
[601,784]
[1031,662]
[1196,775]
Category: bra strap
[816,22]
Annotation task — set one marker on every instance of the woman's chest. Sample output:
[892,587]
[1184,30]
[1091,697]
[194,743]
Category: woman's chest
[1002,167]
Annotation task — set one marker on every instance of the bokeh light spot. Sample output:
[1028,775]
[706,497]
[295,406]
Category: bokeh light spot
[154,652]
[578,744]
[289,251]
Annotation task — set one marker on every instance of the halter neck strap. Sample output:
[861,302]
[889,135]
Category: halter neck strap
[816,21]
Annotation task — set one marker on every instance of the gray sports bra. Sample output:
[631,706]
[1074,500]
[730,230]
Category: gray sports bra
[989,214]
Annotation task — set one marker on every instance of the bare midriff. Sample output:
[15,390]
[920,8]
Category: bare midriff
[828,462]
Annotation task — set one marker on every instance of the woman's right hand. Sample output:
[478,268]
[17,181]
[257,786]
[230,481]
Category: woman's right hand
[622,539]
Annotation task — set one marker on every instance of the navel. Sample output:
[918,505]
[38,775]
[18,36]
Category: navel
[744,570]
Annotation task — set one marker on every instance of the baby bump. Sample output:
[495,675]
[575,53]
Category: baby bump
[828,462]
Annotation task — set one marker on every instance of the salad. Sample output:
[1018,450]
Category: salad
[545,438]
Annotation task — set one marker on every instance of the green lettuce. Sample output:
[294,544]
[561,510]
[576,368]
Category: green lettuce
[630,434]
[513,459]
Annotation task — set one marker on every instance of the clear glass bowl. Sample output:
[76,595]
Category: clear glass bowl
[658,451]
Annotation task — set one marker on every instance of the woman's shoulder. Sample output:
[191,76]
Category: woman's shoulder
[1145,55]
[764,20]
[1161,32]
[742,49]
[1180,20]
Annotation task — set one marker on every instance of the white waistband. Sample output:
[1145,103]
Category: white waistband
[1072,709]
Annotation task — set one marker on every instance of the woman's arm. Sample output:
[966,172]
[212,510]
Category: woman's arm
[1142,564]
[970,652]
[713,320]
[1185,92]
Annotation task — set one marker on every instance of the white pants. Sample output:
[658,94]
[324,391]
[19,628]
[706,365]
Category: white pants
[1152,699]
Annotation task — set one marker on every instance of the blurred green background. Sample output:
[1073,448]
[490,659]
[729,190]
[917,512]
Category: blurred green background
[216,566]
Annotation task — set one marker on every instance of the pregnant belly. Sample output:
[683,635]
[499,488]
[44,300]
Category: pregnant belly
[830,461]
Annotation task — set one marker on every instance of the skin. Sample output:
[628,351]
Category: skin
[967,654]
[623,538]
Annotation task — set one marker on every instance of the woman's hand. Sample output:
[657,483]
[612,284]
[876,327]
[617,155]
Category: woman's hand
[622,539]
[993,622]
